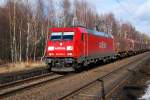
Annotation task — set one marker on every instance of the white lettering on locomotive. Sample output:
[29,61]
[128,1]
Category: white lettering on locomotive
[102,44]
[60,48]
[60,44]
[60,54]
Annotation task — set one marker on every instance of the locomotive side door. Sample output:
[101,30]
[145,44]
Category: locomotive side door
[85,47]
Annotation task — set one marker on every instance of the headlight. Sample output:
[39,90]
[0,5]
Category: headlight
[50,48]
[51,54]
[69,47]
[69,54]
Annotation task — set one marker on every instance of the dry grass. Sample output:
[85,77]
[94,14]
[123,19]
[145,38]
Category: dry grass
[2,62]
[12,67]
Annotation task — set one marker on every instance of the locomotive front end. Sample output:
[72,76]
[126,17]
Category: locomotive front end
[60,53]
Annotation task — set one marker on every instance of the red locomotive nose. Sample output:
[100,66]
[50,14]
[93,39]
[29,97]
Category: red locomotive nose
[63,50]
[69,47]
[60,44]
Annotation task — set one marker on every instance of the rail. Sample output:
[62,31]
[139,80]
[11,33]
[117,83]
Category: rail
[101,80]
[14,87]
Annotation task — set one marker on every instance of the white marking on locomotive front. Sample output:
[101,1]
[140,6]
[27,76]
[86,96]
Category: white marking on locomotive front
[60,54]
[50,48]
[60,44]
[70,54]
[69,47]
[60,48]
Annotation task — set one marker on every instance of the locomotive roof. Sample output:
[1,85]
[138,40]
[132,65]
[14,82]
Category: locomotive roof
[90,31]
[104,34]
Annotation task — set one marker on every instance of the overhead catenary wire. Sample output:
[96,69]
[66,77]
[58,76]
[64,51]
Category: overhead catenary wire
[128,12]
[124,8]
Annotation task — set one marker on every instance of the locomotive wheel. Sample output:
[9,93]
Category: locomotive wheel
[78,68]
[49,67]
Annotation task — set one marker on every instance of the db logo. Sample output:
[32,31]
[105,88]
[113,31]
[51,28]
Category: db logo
[60,44]
[102,45]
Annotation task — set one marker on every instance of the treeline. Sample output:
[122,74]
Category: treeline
[24,26]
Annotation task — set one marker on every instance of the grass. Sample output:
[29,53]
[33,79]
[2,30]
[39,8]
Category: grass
[12,67]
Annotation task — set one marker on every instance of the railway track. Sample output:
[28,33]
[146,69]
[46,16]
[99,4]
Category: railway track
[6,78]
[13,87]
[104,86]
[29,83]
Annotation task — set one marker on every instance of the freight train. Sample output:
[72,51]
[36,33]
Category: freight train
[71,49]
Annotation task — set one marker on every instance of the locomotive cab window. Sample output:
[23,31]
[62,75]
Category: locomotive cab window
[56,36]
[68,35]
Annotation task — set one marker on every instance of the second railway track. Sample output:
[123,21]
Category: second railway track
[104,85]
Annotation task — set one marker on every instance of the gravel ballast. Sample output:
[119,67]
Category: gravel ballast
[54,90]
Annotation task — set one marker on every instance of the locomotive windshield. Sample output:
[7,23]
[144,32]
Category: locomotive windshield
[56,36]
[62,36]
[68,35]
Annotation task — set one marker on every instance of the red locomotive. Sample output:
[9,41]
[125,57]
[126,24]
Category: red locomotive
[70,49]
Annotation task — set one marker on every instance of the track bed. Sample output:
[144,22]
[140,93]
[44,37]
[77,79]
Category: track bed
[64,87]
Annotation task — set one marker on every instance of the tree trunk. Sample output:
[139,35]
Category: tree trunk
[14,31]
[27,49]
[20,47]
[11,40]
[35,45]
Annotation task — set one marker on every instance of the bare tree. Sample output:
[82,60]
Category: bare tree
[24,30]
[28,31]
[14,31]
[66,6]
[20,46]
[85,13]
[39,19]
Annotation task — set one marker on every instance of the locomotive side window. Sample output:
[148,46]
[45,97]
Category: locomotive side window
[56,36]
[106,35]
[68,35]
[82,37]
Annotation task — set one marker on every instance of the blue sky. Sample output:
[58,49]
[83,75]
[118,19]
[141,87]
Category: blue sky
[137,12]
